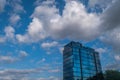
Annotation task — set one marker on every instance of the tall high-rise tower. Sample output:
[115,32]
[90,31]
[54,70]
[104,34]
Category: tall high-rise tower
[81,63]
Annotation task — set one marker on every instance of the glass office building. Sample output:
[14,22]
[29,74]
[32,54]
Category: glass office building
[81,63]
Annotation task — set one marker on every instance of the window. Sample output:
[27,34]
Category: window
[75,49]
[76,56]
[77,74]
[76,69]
[76,65]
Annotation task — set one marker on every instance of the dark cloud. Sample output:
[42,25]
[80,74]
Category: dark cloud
[111,16]
[111,26]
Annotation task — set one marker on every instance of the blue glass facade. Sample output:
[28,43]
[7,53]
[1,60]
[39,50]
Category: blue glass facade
[81,63]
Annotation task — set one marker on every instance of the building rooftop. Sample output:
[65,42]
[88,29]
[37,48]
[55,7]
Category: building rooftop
[78,44]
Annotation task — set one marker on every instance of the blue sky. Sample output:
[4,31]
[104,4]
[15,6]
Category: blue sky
[33,33]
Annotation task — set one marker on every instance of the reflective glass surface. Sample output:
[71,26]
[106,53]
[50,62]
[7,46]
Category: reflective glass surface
[80,63]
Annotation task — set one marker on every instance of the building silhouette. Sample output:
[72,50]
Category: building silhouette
[81,63]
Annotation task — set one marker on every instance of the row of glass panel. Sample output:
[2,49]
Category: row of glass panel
[76,63]
[84,53]
[84,74]
[86,70]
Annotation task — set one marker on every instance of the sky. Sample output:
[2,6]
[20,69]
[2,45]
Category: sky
[34,32]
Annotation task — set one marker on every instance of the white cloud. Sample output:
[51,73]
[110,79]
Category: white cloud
[14,18]
[34,33]
[75,20]
[22,38]
[23,54]
[117,57]
[7,59]
[9,31]
[101,50]
[35,29]
[75,23]
[2,5]
[11,58]
[9,34]
[49,44]
[17,10]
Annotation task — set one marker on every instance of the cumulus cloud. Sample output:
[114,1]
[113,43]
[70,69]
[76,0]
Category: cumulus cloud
[17,10]
[75,20]
[34,33]
[9,34]
[9,31]
[22,38]
[75,23]
[2,5]
[14,18]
